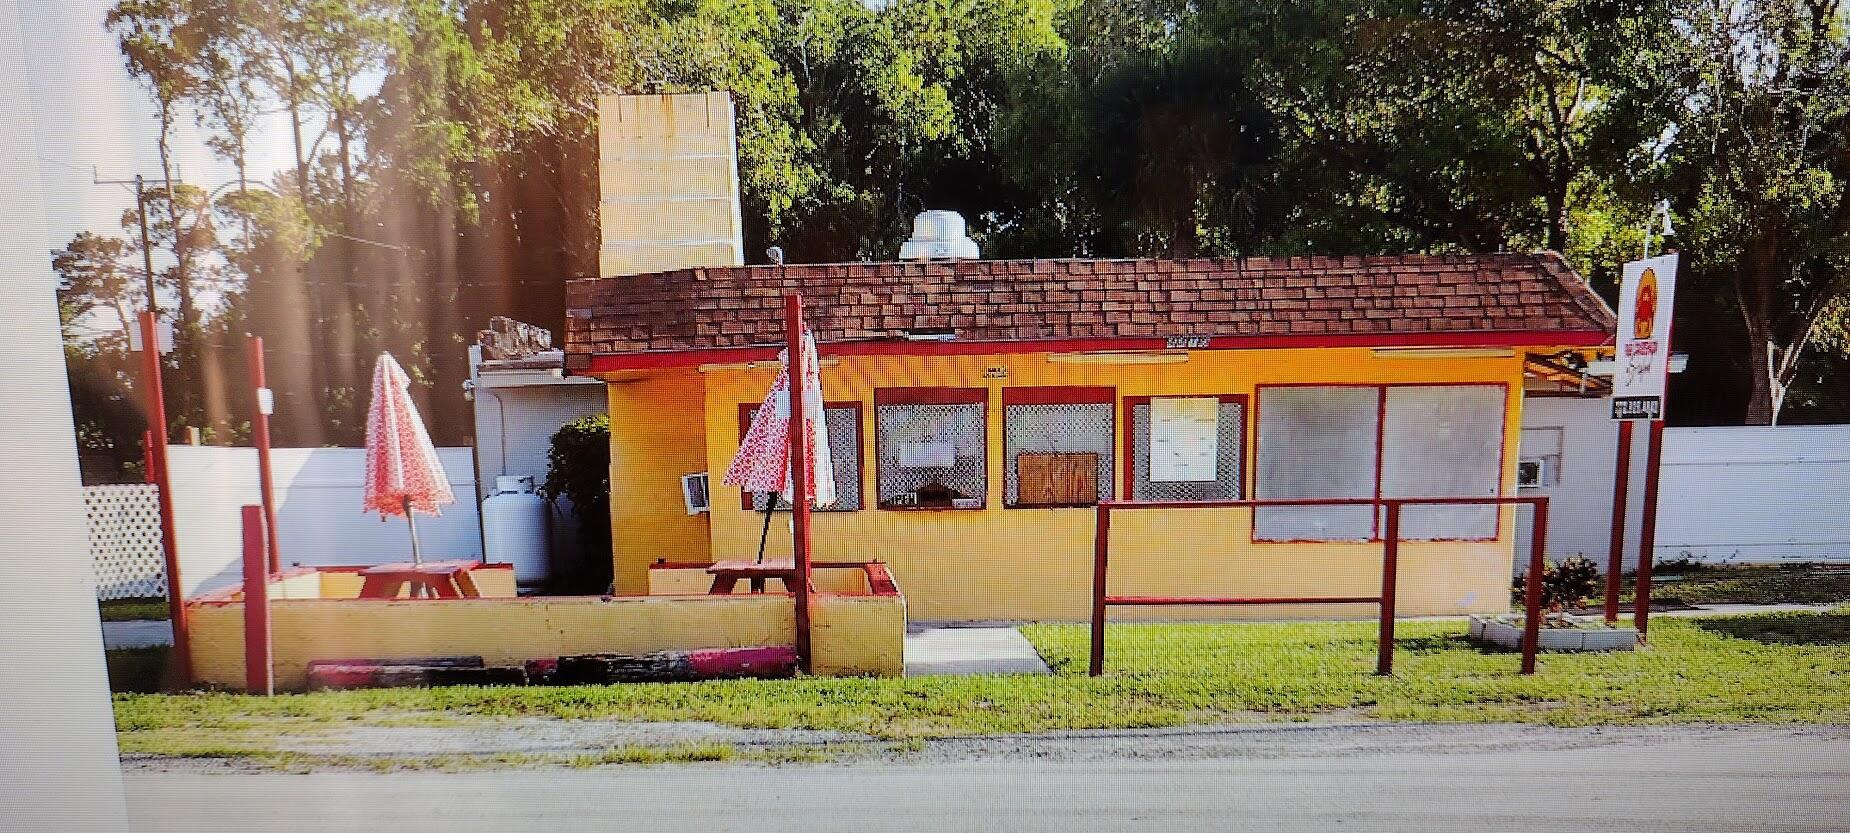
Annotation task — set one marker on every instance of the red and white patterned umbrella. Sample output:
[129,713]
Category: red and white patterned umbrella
[763,461]
[403,474]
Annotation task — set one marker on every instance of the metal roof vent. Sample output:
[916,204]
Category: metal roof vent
[938,235]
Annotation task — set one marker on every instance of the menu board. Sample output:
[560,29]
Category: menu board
[1184,439]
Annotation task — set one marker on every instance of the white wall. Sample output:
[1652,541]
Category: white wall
[58,768]
[1756,494]
[1738,493]
[318,515]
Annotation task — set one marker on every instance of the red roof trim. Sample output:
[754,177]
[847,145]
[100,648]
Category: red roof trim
[612,362]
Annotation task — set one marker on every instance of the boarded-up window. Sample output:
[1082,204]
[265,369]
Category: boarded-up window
[1230,442]
[1399,441]
[931,445]
[844,420]
[1057,448]
[1316,442]
[1444,441]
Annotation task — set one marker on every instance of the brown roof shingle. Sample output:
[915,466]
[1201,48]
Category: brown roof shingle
[1014,300]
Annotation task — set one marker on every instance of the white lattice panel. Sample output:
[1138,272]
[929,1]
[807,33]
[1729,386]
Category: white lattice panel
[125,540]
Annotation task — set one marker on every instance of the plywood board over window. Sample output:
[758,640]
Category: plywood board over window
[1058,445]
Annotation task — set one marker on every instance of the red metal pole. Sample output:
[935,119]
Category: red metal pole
[1532,587]
[1615,551]
[1101,546]
[1390,570]
[259,671]
[260,434]
[1647,532]
[799,472]
[147,456]
[157,458]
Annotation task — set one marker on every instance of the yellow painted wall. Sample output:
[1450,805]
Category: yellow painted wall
[501,631]
[1036,563]
[657,434]
[857,635]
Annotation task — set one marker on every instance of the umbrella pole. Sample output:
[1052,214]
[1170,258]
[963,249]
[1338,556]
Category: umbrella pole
[770,506]
[412,521]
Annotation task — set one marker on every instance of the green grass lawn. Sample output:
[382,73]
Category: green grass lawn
[122,610]
[1747,584]
[1780,668]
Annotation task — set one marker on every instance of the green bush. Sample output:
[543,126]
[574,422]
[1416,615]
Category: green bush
[579,470]
[1566,583]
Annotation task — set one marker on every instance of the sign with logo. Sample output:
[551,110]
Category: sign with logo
[1643,360]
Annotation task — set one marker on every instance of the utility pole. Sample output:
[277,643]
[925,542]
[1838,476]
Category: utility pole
[147,244]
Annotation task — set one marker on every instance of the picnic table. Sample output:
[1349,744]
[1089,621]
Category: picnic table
[435,579]
[726,575]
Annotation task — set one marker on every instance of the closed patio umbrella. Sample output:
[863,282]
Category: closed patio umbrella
[403,474]
[763,461]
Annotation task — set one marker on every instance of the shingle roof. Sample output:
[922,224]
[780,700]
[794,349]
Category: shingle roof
[1014,300]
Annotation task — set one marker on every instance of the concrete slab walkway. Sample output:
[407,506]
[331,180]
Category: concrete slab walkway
[979,650]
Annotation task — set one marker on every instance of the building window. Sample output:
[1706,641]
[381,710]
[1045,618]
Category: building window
[932,447]
[1540,466]
[1444,441]
[1166,483]
[844,420]
[1316,442]
[1057,446]
[1400,441]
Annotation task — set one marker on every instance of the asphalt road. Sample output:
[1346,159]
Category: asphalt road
[1395,780]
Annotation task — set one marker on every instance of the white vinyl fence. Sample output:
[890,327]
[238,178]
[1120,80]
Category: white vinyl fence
[125,540]
[318,515]
[1732,494]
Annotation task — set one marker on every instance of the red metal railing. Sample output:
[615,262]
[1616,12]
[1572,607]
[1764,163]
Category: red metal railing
[1390,567]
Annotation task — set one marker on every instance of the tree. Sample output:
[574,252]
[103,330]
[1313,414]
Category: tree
[1764,153]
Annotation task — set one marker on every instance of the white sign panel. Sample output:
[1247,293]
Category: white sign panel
[1643,360]
[1184,439]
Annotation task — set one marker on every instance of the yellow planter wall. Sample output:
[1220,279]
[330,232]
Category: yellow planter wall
[1036,563]
[501,631]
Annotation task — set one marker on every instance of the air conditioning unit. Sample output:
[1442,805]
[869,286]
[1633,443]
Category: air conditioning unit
[1531,473]
[694,493]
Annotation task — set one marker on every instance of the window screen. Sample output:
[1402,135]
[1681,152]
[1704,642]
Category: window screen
[931,454]
[1045,445]
[844,421]
[1444,441]
[1316,442]
[1228,470]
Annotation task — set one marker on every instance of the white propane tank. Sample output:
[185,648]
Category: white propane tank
[514,530]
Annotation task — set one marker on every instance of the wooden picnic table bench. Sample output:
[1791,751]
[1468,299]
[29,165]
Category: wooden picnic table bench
[726,575]
[435,579]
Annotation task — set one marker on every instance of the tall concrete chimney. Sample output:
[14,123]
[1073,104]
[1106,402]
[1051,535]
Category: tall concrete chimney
[668,167]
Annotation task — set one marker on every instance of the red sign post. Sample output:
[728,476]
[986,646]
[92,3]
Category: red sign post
[799,473]
[157,461]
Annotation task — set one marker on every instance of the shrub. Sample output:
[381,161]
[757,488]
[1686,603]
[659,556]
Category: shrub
[579,470]
[1566,583]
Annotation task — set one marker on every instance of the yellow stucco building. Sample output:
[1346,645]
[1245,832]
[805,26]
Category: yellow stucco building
[977,409]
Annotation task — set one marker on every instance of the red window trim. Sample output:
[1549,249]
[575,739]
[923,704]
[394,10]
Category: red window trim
[1380,452]
[1059,395]
[860,447]
[1056,395]
[931,396]
[1130,439]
